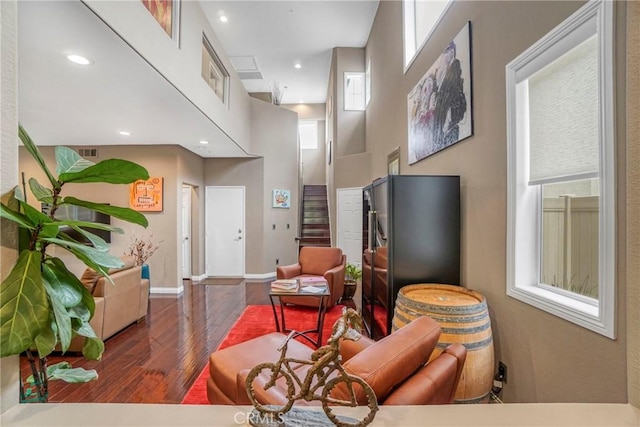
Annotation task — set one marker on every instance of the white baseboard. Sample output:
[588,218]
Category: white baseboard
[264,276]
[174,291]
[199,278]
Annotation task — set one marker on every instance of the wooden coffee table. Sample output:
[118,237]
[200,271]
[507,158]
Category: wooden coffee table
[322,309]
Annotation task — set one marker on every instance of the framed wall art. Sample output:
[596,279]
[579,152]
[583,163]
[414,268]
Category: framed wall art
[439,106]
[146,195]
[167,13]
[282,199]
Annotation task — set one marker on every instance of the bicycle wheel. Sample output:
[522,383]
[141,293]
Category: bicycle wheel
[357,387]
[263,376]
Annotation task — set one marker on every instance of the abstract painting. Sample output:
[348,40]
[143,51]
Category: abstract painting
[282,199]
[146,196]
[439,106]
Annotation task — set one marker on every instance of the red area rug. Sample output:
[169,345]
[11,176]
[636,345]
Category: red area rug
[255,321]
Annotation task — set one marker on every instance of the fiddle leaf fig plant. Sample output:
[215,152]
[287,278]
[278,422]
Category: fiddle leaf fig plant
[43,304]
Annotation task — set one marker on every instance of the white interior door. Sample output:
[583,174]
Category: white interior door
[349,223]
[186,232]
[225,236]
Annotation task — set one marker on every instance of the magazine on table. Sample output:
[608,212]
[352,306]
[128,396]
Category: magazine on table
[314,289]
[312,281]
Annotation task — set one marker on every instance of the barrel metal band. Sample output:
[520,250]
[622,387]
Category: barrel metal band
[472,400]
[470,345]
[470,309]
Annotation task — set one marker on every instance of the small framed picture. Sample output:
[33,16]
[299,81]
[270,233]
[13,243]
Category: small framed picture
[282,199]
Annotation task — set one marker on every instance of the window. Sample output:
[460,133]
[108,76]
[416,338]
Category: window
[308,130]
[561,189]
[213,72]
[354,88]
[420,18]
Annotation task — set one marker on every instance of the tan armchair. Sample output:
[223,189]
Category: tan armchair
[317,261]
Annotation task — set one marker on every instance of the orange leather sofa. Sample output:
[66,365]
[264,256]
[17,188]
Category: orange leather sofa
[317,261]
[395,367]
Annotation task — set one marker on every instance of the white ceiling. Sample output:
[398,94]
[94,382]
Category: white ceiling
[61,103]
[282,33]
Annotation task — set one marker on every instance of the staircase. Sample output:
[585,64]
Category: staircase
[315,217]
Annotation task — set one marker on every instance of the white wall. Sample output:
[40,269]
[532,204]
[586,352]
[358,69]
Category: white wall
[181,66]
[9,366]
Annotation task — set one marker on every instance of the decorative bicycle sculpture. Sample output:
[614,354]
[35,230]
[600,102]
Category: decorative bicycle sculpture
[324,362]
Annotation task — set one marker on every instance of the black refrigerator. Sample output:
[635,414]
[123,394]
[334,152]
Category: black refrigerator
[411,234]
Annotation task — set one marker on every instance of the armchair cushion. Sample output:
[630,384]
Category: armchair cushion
[317,260]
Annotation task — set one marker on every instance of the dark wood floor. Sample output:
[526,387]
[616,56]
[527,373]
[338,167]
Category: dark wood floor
[157,360]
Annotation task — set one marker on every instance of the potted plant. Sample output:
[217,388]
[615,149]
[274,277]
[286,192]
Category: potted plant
[43,304]
[352,273]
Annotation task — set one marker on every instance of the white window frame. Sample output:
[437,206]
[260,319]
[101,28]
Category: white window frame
[411,46]
[524,202]
[308,122]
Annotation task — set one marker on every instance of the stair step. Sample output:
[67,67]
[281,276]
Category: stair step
[315,221]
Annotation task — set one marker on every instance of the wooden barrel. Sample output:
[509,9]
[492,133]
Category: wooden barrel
[464,318]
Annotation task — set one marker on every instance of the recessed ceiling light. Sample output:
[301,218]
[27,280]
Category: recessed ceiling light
[124,133]
[77,59]
[223,18]
[203,142]
[301,102]
[298,65]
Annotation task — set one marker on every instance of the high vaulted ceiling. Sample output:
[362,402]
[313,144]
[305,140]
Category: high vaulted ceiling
[61,103]
[280,34]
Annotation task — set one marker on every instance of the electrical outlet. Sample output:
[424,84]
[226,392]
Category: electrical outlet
[502,372]
[273,226]
[288,226]
[277,261]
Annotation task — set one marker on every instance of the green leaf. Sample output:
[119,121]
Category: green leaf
[24,309]
[35,153]
[74,375]
[82,313]
[46,341]
[52,369]
[17,217]
[93,349]
[42,193]
[89,262]
[97,241]
[125,214]
[63,320]
[86,330]
[61,283]
[91,225]
[34,215]
[70,161]
[49,230]
[98,257]
[112,171]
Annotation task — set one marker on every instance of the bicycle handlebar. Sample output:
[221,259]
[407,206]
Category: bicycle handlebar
[286,340]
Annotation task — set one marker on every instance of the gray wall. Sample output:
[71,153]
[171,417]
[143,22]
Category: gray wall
[274,135]
[549,359]
[633,204]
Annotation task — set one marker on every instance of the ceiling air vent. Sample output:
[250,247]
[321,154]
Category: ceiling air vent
[247,67]
[88,152]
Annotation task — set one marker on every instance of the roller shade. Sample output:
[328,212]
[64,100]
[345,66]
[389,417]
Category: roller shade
[563,117]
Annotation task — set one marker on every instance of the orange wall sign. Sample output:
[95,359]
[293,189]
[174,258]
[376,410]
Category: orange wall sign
[146,196]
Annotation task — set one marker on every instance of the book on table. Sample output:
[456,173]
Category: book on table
[284,285]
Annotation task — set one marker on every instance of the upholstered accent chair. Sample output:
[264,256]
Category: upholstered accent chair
[396,367]
[317,261]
